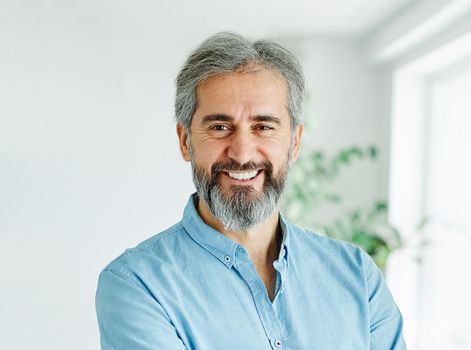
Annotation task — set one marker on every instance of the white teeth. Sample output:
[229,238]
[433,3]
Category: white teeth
[243,176]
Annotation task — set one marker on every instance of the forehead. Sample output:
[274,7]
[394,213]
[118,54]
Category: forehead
[254,89]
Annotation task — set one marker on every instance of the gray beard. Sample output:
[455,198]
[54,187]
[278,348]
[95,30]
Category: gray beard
[243,207]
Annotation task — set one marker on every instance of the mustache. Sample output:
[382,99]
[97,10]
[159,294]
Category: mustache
[232,165]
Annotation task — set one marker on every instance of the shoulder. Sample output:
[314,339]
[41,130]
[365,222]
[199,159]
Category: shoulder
[335,262]
[318,242]
[159,250]
[314,247]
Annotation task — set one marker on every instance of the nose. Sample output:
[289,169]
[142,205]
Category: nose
[242,147]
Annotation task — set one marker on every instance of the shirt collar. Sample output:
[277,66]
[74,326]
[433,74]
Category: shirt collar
[218,244]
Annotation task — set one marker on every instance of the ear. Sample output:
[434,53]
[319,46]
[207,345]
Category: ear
[183,141]
[297,142]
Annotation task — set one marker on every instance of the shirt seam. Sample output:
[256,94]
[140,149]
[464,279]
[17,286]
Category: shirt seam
[365,279]
[161,236]
[130,278]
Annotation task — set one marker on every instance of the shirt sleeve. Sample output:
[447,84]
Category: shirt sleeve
[385,317]
[130,318]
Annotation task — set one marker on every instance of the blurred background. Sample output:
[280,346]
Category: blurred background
[89,162]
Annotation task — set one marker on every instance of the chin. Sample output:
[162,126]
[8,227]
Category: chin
[242,190]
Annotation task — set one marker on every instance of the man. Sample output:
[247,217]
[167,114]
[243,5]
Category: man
[233,274]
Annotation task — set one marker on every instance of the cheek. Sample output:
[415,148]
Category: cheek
[205,157]
[277,152]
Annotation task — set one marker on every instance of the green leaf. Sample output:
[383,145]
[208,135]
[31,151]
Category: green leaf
[373,151]
[381,206]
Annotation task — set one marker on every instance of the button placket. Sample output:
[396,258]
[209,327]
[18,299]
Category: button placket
[263,305]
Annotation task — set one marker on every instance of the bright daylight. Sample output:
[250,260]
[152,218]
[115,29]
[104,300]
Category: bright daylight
[235,175]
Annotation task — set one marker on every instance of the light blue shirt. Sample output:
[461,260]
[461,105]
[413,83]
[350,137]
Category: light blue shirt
[191,287]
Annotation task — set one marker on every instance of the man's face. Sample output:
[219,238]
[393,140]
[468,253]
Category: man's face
[241,144]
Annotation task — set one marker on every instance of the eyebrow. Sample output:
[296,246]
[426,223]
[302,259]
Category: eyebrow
[266,118]
[217,117]
[228,118]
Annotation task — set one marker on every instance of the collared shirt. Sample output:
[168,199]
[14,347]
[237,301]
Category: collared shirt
[191,287]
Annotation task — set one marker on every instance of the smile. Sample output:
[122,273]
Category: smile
[248,175]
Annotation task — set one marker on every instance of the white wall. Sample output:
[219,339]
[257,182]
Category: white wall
[89,163]
[346,108]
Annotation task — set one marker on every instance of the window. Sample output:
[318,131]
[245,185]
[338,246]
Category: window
[445,288]
[430,183]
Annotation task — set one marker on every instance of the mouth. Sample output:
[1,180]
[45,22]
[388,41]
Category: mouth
[242,176]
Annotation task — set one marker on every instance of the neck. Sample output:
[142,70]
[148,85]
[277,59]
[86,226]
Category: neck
[262,241]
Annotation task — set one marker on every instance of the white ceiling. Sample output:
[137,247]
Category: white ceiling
[257,18]
[173,25]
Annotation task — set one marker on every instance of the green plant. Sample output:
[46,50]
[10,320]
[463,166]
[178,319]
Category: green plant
[311,186]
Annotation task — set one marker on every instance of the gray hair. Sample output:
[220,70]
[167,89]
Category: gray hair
[229,52]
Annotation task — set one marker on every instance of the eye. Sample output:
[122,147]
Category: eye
[264,127]
[219,127]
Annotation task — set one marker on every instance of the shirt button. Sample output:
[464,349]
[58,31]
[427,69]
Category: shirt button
[278,343]
[227,258]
